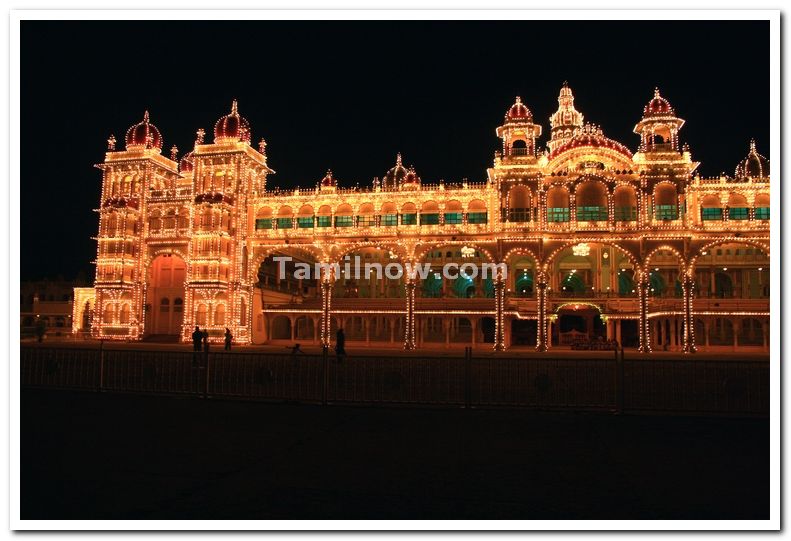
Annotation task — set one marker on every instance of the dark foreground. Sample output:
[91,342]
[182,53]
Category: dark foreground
[106,456]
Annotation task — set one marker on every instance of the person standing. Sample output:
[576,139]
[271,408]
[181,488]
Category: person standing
[228,339]
[197,338]
[340,345]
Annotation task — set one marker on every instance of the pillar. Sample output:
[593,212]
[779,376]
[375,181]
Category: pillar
[688,340]
[618,332]
[541,304]
[765,333]
[409,331]
[644,332]
[326,302]
[499,301]
[673,323]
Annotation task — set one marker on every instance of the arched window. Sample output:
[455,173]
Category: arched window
[366,217]
[738,209]
[200,315]
[519,204]
[591,201]
[453,212]
[408,214]
[155,222]
[429,213]
[184,220]
[219,314]
[624,204]
[324,216]
[109,312]
[711,208]
[305,217]
[178,305]
[389,215]
[124,316]
[344,216]
[263,218]
[476,212]
[558,205]
[164,305]
[762,206]
[285,218]
[666,201]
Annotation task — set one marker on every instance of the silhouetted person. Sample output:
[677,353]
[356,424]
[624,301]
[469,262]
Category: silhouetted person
[197,338]
[228,339]
[296,349]
[206,342]
[340,345]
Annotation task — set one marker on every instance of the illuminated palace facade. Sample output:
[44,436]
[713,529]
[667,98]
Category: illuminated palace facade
[600,242]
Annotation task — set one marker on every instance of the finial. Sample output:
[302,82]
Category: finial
[398,160]
[565,84]
[752,145]
[111,142]
[201,133]
[174,152]
[149,140]
[145,117]
[518,99]
[234,108]
[656,92]
[262,145]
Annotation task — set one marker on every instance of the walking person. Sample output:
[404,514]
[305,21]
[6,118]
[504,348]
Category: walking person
[340,345]
[228,339]
[197,338]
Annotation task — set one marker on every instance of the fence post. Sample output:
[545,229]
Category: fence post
[101,365]
[467,377]
[325,376]
[206,380]
[619,381]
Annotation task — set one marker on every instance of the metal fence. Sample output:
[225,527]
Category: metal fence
[603,384]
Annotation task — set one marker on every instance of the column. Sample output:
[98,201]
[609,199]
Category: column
[499,301]
[409,331]
[541,304]
[673,323]
[737,328]
[326,302]
[618,332]
[765,333]
[644,332]
[688,340]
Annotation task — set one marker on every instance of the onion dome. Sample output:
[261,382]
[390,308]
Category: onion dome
[411,178]
[591,136]
[519,112]
[187,163]
[143,135]
[232,127]
[396,174]
[328,181]
[753,166]
[658,106]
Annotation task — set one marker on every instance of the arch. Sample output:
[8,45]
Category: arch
[305,210]
[666,201]
[219,314]
[388,207]
[166,276]
[155,221]
[721,332]
[201,315]
[711,207]
[281,328]
[751,332]
[304,328]
[665,247]
[624,199]
[421,254]
[591,200]
[707,247]
[633,259]
[558,204]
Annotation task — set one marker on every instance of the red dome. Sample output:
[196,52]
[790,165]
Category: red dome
[328,181]
[658,106]
[232,126]
[590,136]
[186,164]
[411,177]
[519,111]
[143,134]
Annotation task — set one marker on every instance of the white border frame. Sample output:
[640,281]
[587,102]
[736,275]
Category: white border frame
[773,16]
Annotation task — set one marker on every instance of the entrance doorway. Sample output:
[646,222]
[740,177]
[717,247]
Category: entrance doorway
[165,305]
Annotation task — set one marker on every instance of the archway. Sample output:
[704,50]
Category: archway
[165,295]
[731,270]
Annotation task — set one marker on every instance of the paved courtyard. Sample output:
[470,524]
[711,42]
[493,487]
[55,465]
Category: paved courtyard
[91,455]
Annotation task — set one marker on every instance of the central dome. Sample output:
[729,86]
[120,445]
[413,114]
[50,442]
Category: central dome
[591,136]
[232,127]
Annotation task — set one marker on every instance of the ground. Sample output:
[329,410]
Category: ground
[92,455]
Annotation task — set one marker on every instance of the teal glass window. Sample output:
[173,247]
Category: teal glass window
[625,214]
[519,215]
[409,219]
[263,223]
[429,219]
[592,214]
[667,212]
[344,221]
[558,214]
[711,213]
[304,222]
[453,217]
[285,223]
[477,217]
[389,219]
[366,221]
[323,221]
[761,213]
[738,213]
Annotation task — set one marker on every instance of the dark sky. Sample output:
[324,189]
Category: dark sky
[349,95]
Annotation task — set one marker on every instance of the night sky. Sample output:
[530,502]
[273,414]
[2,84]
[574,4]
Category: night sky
[350,95]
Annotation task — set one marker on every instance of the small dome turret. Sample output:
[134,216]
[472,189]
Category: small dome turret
[143,135]
[232,127]
[753,166]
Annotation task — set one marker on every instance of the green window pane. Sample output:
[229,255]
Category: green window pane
[667,212]
[305,222]
[344,221]
[366,221]
[389,219]
[429,219]
[409,219]
[625,214]
[712,213]
[323,221]
[557,214]
[738,213]
[761,213]
[263,223]
[591,214]
[519,215]
[285,223]
[477,217]
[453,217]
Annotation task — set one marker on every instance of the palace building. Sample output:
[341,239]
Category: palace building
[600,243]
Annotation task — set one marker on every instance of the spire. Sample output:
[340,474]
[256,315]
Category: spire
[262,145]
[174,153]
[111,142]
[752,147]
[398,160]
[656,92]
[234,108]
[199,135]
[145,116]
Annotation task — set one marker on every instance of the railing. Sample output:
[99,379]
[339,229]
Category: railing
[606,383]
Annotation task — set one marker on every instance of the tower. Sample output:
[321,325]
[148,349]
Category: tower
[128,177]
[219,283]
[519,133]
[566,121]
[659,127]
